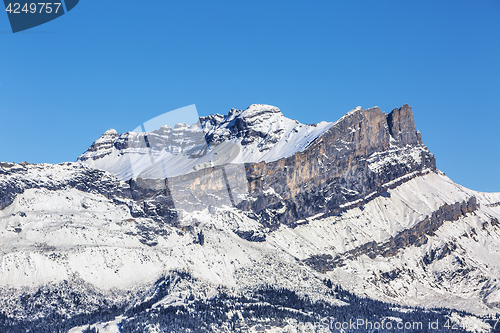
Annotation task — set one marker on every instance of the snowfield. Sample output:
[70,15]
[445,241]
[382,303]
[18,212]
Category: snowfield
[52,236]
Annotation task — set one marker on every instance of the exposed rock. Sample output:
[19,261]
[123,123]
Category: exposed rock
[104,145]
[16,178]
[402,126]
[251,235]
[415,236]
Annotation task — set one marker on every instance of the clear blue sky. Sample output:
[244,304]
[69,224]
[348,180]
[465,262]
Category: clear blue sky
[115,64]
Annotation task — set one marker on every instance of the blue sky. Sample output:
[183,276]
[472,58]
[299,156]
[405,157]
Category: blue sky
[116,64]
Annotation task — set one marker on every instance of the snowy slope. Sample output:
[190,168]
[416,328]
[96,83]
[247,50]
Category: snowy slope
[259,133]
[417,284]
[50,236]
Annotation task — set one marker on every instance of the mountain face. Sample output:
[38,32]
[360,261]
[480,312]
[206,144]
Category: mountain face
[259,133]
[249,222]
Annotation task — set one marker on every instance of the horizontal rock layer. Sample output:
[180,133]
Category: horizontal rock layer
[417,236]
[356,157]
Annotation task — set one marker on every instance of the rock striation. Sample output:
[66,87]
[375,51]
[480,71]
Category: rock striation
[352,162]
[415,236]
[17,178]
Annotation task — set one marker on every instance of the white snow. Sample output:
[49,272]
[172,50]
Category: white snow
[283,137]
[69,232]
[385,217]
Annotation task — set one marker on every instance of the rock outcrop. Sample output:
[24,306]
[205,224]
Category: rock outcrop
[352,161]
[257,124]
[402,126]
[415,236]
[17,178]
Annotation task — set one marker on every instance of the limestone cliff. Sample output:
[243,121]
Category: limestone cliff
[357,158]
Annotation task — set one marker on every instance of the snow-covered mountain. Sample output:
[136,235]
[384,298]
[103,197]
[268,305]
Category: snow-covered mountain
[259,133]
[297,228]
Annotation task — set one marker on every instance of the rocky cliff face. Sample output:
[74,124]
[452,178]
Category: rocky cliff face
[355,160]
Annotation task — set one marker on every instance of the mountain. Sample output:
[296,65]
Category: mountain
[259,133]
[249,222]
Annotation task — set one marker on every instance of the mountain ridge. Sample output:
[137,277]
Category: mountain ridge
[260,132]
[348,170]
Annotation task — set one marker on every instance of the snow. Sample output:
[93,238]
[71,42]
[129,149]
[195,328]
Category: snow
[384,217]
[108,327]
[66,232]
[61,238]
[469,323]
[171,155]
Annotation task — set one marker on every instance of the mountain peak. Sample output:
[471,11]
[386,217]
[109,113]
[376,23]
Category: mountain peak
[255,113]
[111,131]
[402,126]
[260,109]
[105,142]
